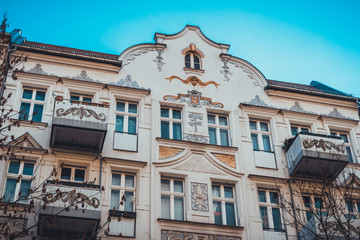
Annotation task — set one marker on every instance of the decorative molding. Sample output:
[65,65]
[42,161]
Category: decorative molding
[37,69]
[199,197]
[257,101]
[196,138]
[26,141]
[198,72]
[226,72]
[194,120]
[72,197]
[227,159]
[167,152]
[159,60]
[298,108]
[81,112]
[83,76]
[249,72]
[193,99]
[132,56]
[309,143]
[193,80]
[128,82]
[172,235]
[335,113]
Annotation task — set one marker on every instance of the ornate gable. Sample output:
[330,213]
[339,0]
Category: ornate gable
[25,141]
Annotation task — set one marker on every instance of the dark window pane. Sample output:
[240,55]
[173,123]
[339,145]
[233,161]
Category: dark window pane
[308,215]
[216,191]
[217,212]
[228,192]
[40,96]
[132,108]
[165,112]
[75,97]
[274,197]
[264,217]
[294,130]
[196,62]
[307,202]
[266,143]
[230,214]
[27,94]
[24,191]
[14,167]
[187,61]
[264,127]
[80,175]
[28,169]
[348,150]
[116,179]
[165,130]
[9,192]
[178,186]
[129,203]
[212,136]
[38,112]
[344,137]
[165,185]
[115,199]
[119,125]
[276,219]
[177,131]
[305,130]
[177,114]
[349,206]
[120,106]
[211,119]
[165,207]
[178,208]
[132,125]
[223,121]
[24,111]
[253,125]
[65,173]
[255,141]
[262,196]
[318,203]
[224,137]
[129,181]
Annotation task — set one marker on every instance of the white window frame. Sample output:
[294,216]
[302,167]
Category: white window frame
[299,128]
[172,194]
[219,127]
[225,200]
[81,96]
[260,134]
[172,120]
[127,114]
[16,176]
[192,62]
[269,206]
[122,188]
[72,174]
[32,101]
[348,144]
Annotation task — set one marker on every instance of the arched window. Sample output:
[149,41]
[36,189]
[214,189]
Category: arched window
[192,61]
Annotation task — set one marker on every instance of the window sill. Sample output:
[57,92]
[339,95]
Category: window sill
[179,222]
[193,70]
[117,213]
[28,123]
[73,184]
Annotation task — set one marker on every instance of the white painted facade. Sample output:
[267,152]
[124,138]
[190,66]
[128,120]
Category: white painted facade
[154,76]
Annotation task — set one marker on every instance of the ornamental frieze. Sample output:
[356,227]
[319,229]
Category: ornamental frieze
[72,198]
[309,143]
[193,80]
[175,235]
[196,138]
[199,197]
[81,112]
[193,99]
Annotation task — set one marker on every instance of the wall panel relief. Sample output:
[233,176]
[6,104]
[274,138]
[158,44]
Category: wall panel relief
[199,197]
[193,99]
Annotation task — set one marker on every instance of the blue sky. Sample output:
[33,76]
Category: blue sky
[293,41]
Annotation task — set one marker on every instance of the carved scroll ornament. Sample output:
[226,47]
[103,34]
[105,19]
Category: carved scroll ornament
[193,99]
[72,198]
[81,112]
[307,143]
[193,80]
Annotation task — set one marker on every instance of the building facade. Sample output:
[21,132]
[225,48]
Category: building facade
[175,139]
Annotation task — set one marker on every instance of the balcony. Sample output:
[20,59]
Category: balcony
[79,125]
[77,209]
[316,156]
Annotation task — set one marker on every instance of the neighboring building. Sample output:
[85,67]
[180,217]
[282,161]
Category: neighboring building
[192,137]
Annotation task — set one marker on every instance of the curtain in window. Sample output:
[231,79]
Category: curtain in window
[179,208]
[264,217]
[217,212]
[266,142]
[24,191]
[165,130]
[119,126]
[132,125]
[37,113]
[230,214]
[9,193]
[128,205]
[212,136]
[165,207]
[177,131]
[115,199]
[224,138]
[276,219]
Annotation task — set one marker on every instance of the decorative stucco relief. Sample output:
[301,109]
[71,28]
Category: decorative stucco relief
[127,82]
[72,198]
[198,163]
[199,197]
[175,235]
[37,69]
[196,138]
[81,112]
[251,74]
[298,108]
[257,101]
[83,77]
[131,57]
[335,113]
[193,99]
[226,72]
[324,145]
[227,159]
[193,80]
[167,152]
[195,120]
[159,60]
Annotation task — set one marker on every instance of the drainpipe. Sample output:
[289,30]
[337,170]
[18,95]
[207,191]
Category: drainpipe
[101,168]
[294,212]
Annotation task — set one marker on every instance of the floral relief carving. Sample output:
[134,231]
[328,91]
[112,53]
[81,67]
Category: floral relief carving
[193,99]
[127,82]
[309,143]
[257,101]
[298,108]
[337,114]
[195,120]
[226,72]
[38,69]
[199,197]
[131,57]
[196,138]
[159,60]
[81,112]
[72,198]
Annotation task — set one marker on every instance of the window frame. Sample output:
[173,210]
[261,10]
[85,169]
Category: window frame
[259,133]
[81,97]
[192,55]
[218,127]
[172,194]
[72,173]
[348,146]
[269,209]
[32,103]
[299,128]
[223,200]
[126,116]
[171,122]
[15,176]
[312,208]
[122,188]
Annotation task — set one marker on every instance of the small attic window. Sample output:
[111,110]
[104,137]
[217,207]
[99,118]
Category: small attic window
[193,57]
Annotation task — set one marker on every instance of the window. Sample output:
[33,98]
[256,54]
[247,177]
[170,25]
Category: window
[192,60]
[313,204]
[353,208]
[126,117]
[73,173]
[80,97]
[218,129]
[270,210]
[295,129]
[172,198]
[171,123]
[122,192]
[224,204]
[344,136]
[32,104]
[18,191]
[260,135]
